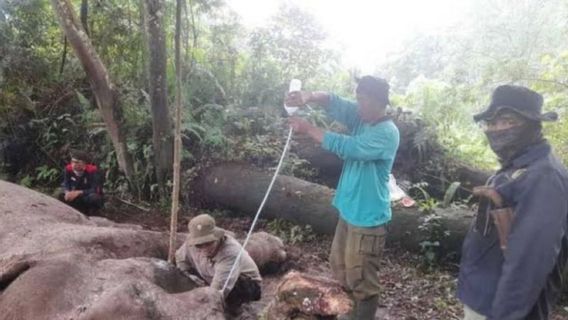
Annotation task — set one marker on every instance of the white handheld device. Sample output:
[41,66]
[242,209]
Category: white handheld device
[295,85]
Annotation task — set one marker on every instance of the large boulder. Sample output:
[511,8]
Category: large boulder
[55,263]
[134,288]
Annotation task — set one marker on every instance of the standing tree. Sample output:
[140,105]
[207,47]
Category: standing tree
[162,130]
[105,92]
[177,144]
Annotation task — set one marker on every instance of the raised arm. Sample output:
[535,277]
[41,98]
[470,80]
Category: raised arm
[302,98]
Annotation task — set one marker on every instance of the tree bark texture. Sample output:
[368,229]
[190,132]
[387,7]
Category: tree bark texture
[177,137]
[105,93]
[240,187]
[161,120]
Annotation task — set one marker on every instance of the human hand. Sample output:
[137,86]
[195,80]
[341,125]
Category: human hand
[297,98]
[300,125]
[197,280]
[72,195]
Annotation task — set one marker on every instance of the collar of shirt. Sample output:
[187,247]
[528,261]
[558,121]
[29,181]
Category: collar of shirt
[382,119]
[530,155]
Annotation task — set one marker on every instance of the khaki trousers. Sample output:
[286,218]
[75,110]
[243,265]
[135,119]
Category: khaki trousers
[355,256]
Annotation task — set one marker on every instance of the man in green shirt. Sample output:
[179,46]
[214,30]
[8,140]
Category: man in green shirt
[362,196]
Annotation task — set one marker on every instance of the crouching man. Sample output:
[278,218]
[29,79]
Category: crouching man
[211,253]
[82,186]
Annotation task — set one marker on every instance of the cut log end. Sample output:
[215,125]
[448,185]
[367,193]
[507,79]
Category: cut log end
[305,296]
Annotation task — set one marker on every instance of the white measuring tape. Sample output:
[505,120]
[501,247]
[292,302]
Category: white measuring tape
[259,210]
[295,85]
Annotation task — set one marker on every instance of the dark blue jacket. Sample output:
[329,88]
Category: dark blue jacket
[89,181]
[523,281]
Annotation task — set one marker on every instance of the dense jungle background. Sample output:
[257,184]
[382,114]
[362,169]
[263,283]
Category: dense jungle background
[100,76]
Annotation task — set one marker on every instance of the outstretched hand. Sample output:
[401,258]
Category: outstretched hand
[302,126]
[299,125]
[297,98]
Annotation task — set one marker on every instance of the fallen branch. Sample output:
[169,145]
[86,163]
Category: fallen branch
[132,204]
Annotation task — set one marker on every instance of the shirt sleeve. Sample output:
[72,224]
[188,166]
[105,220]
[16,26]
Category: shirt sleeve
[343,111]
[222,270]
[183,259]
[533,245]
[373,145]
[94,183]
[66,185]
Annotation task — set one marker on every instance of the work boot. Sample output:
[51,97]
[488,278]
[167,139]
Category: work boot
[366,309]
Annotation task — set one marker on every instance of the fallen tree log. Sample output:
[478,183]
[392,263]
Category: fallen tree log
[241,187]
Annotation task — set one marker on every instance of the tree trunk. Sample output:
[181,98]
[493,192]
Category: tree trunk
[85,15]
[241,188]
[177,142]
[105,93]
[161,121]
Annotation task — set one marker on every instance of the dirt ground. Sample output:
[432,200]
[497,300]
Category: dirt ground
[408,292]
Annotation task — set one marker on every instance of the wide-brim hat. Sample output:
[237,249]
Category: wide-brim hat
[217,234]
[521,100]
[202,229]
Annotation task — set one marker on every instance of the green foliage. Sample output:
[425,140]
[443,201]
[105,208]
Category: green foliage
[117,34]
[289,232]
[443,77]
[450,193]
[291,46]
[448,76]
[27,181]
[47,174]
[553,82]
[449,109]
[431,226]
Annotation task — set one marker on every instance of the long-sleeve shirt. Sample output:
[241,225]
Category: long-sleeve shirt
[523,281]
[89,182]
[362,195]
[215,270]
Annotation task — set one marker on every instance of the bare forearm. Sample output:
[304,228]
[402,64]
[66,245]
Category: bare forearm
[319,97]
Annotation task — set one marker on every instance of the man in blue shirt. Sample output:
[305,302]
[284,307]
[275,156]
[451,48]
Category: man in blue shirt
[515,253]
[362,197]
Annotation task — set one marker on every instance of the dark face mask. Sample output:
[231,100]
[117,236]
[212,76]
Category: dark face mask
[511,142]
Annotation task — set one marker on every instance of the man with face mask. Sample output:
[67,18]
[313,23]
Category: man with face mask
[362,196]
[518,273]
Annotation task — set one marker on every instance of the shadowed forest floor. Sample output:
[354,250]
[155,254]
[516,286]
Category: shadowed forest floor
[408,291]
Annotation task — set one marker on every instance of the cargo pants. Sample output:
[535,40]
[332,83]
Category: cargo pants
[355,256]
